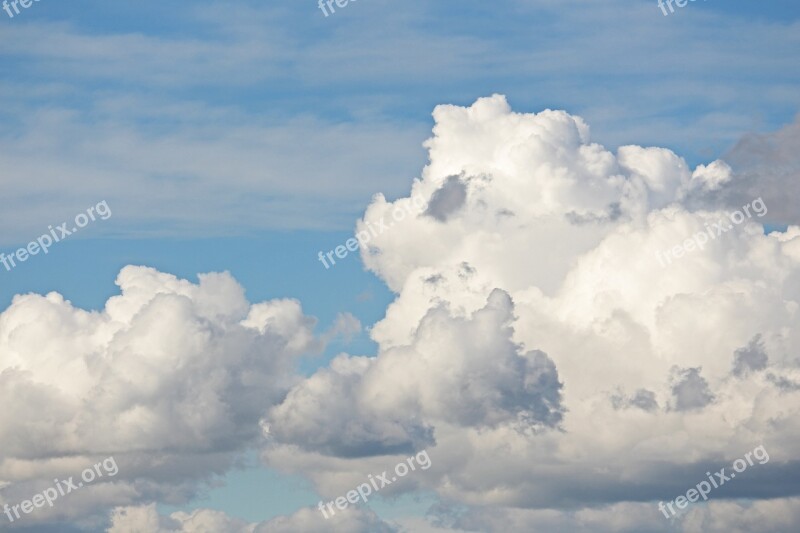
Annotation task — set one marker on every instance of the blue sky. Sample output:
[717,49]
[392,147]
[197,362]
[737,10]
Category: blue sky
[247,137]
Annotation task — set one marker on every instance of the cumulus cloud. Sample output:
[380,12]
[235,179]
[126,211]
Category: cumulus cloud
[559,377]
[538,348]
[170,377]
[465,371]
[760,165]
[147,519]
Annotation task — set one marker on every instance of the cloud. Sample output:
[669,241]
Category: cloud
[690,390]
[771,516]
[769,163]
[170,377]
[760,165]
[642,399]
[146,518]
[182,102]
[553,370]
[237,178]
[751,358]
[448,199]
[387,405]
[523,346]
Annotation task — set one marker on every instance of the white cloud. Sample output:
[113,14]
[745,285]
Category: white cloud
[554,371]
[170,378]
[146,519]
[445,376]
[564,234]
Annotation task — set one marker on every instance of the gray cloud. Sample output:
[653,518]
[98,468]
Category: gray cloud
[767,166]
[785,385]
[612,214]
[642,399]
[690,390]
[448,199]
[763,165]
[751,358]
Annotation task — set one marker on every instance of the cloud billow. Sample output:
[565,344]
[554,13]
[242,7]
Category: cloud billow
[170,378]
[558,376]
[638,369]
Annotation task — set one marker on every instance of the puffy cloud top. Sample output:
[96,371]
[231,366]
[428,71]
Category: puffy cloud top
[562,338]
[171,378]
[537,336]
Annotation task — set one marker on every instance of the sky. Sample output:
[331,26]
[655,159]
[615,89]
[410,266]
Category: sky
[269,250]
